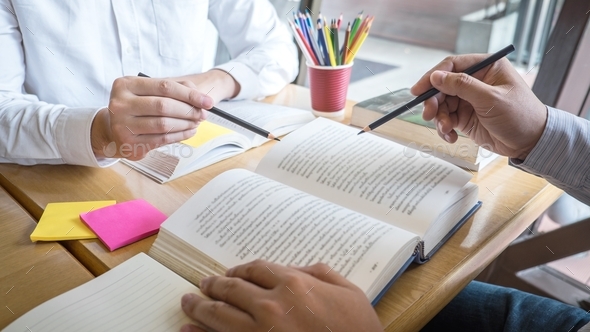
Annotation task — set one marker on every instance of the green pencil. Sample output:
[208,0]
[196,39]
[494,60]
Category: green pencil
[355,25]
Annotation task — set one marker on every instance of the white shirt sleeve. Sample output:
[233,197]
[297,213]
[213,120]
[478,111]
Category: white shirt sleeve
[35,132]
[264,56]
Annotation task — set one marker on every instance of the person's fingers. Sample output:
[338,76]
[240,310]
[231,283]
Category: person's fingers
[235,291]
[160,125]
[259,272]
[444,124]
[430,108]
[463,86]
[191,328]
[325,273]
[454,63]
[156,140]
[163,107]
[216,315]
[166,88]
[188,84]
[424,84]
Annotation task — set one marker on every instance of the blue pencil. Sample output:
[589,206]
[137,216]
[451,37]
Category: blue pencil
[309,36]
[323,45]
[314,40]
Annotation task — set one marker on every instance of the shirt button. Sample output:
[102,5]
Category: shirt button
[129,49]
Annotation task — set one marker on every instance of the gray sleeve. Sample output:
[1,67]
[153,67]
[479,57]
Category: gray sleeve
[562,155]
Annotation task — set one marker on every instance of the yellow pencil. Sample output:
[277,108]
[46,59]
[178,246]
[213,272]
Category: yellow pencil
[329,46]
[356,46]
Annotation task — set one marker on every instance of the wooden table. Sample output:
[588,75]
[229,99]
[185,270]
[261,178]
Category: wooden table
[30,273]
[512,200]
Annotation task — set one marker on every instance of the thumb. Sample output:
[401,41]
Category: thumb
[463,86]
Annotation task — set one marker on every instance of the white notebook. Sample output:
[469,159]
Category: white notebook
[138,295]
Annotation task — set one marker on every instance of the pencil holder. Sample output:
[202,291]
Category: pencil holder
[329,86]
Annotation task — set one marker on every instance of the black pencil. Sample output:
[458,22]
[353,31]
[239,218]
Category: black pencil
[432,92]
[236,120]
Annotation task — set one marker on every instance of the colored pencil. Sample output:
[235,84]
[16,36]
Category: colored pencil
[304,49]
[330,45]
[323,44]
[336,44]
[355,25]
[344,51]
[320,42]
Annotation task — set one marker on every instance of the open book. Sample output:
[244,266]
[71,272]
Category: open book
[218,139]
[323,194]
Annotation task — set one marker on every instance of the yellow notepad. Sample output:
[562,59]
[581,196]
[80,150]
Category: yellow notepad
[61,221]
[206,132]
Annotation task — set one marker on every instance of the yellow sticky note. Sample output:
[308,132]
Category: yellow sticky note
[206,131]
[61,221]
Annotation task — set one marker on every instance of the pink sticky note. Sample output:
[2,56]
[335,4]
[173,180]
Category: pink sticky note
[124,223]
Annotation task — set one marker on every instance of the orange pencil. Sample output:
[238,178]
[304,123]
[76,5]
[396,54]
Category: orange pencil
[344,51]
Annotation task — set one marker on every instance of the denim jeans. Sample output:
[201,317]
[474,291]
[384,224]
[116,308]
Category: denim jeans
[484,307]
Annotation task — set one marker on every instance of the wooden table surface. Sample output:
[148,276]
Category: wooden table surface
[511,199]
[30,273]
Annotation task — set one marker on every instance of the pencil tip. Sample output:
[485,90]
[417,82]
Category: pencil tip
[366,129]
[271,137]
[276,139]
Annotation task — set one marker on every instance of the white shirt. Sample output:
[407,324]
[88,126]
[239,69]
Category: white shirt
[58,60]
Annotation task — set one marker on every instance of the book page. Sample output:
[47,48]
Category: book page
[138,295]
[278,120]
[240,216]
[365,173]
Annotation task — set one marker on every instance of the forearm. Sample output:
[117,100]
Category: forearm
[562,155]
[264,56]
[40,133]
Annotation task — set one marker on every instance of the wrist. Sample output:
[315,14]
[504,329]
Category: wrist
[216,83]
[230,86]
[100,133]
[538,127]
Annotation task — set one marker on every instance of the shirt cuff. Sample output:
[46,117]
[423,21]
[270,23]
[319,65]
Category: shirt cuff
[245,76]
[73,138]
[556,155]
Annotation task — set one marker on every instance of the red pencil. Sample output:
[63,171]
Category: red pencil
[339,21]
[304,40]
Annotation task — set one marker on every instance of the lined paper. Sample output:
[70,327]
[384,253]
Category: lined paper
[138,295]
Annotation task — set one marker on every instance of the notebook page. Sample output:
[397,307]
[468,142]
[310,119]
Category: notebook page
[240,216]
[365,173]
[138,295]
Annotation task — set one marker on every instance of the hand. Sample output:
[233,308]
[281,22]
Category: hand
[216,83]
[494,107]
[145,113]
[260,296]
